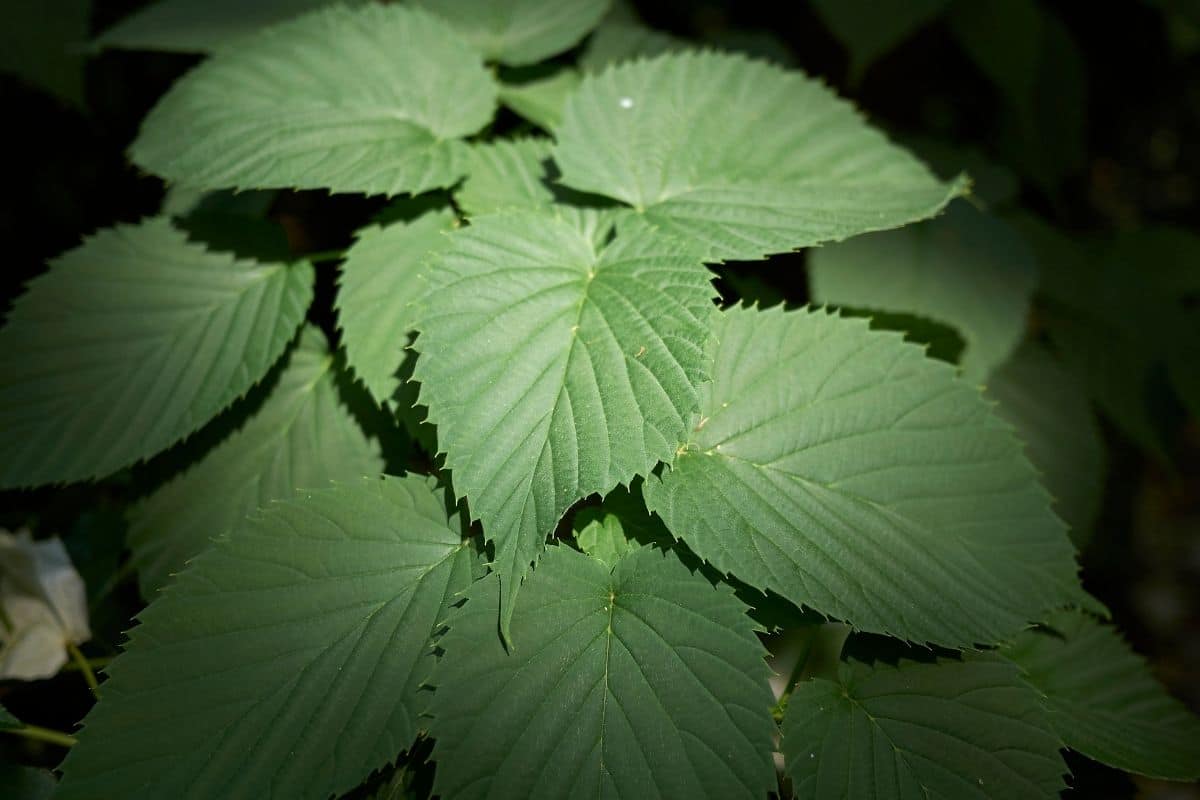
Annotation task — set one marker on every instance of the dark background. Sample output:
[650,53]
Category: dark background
[1138,164]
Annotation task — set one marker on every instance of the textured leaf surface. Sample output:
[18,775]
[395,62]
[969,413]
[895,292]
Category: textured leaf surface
[203,26]
[520,31]
[952,730]
[380,280]
[554,370]
[965,269]
[643,682]
[302,437]
[286,662]
[1062,438]
[131,342]
[840,468]
[1103,701]
[743,156]
[372,99]
[871,28]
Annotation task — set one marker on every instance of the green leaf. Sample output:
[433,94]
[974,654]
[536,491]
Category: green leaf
[1039,71]
[966,269]
[26,783]
[1108,322]
[1062,437]
[1103,701]
[742,156]
[618,40]
[843,470]
[870,29]
[302,437]
[380,279]
[506,174]
[8,722]
[42,42]
[555,369]
[203,26]
[969,730]
[601,535]
[131,342]
[373,99]
[520,31]
[645,681]
[287,661]
[541,101]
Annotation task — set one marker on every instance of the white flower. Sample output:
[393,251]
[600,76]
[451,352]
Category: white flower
[43,606]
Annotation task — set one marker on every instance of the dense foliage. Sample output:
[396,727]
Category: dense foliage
[524,496]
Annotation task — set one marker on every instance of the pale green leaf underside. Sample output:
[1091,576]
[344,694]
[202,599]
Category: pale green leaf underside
[950,730]
[286,662]
[1103,701]
[131,342]
[745,157]
[373,99]
[541,101]
[1051,413]
[643,682]
[302,437]
[519,31]
[554,370]
[965,269]
[380,280]
[202,26]
[840,468]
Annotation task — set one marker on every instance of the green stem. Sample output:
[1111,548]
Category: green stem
[43,735]
[85,668]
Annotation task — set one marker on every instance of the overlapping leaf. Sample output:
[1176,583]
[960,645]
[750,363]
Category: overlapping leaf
[203,26]
[41,42]
[541,101]
[555,369]
[379,282]
[512,174]
[645,681]
[1103,701]
[1062,438]
[966,269]
[506,174]
[740,155]
[302,437]
[372,99]
[840,468]
[131,342]
[617,40]
[287,661]
[870,29]
[970,730]
[520,31]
